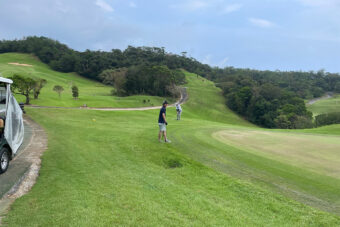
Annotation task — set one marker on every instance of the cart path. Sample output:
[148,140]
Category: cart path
[24,168]
[327,96]
[184,97]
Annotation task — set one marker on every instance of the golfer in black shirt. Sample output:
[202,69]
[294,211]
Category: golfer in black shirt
[163,123]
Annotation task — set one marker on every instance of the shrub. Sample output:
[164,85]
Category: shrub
[59,89]
[327,119]
[75,92]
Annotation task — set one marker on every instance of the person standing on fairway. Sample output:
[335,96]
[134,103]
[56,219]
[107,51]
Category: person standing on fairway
[163,123]
[179,111]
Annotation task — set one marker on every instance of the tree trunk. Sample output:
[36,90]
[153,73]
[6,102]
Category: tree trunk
[36,95]
[27,99]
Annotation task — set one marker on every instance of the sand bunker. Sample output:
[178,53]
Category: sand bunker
[18,64]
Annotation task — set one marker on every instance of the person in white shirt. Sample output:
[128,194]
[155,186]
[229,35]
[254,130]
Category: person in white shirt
[179,111]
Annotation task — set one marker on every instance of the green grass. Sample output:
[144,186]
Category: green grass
[325,106]
[318,153]
[91,93]
[107,168]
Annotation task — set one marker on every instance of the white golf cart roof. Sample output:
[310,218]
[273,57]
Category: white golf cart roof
[5,80]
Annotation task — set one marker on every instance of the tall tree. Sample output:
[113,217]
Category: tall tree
[23,85]
[75,92]
[115,77]
[59,89]
[39,85]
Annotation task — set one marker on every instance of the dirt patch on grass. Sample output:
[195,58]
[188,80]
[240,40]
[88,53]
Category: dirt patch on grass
[19,64]
[319,153]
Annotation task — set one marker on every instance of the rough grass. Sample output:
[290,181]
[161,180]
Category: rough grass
[325,106]
[107,168]
[91,93]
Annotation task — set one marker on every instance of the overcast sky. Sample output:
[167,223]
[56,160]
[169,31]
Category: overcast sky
[261,34]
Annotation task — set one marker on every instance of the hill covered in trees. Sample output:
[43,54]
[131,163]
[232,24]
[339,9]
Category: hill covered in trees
[274,99]
[91,63]
[271,99]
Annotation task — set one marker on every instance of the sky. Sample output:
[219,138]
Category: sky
[258,34]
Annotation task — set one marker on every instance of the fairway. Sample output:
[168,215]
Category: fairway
[108,168]
[318,153]
[191,113]
[91,93]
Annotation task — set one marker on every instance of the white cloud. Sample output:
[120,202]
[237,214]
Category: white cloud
[105,6]
[132,5]
[261,22]
[231,8]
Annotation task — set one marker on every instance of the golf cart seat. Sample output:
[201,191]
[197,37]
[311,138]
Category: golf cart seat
[2,127]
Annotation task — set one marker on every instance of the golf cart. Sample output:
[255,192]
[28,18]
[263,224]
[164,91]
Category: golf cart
[11,125]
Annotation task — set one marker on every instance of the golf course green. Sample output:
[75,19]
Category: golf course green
[106,168]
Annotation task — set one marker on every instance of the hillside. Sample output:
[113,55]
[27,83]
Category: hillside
[270,99]
[328,105]
[108,168]
[91,93]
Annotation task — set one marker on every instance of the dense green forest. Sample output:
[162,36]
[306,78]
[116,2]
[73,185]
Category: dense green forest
[271,99]
[274,99]
[144,79]
[266,104]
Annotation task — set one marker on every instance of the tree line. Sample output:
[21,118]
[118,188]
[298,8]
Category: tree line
[271,99]
[274,99]
[144,79]
[306,85]
[91,63]
[267,105]
[327,119]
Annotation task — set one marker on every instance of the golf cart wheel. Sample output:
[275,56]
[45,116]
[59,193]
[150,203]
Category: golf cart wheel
[4,160]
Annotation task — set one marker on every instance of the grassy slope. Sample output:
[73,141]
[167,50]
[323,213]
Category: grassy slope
[307,183]
[92,93]
[107,168]
[325,106]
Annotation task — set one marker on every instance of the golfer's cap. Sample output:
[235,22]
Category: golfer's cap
[165,102]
